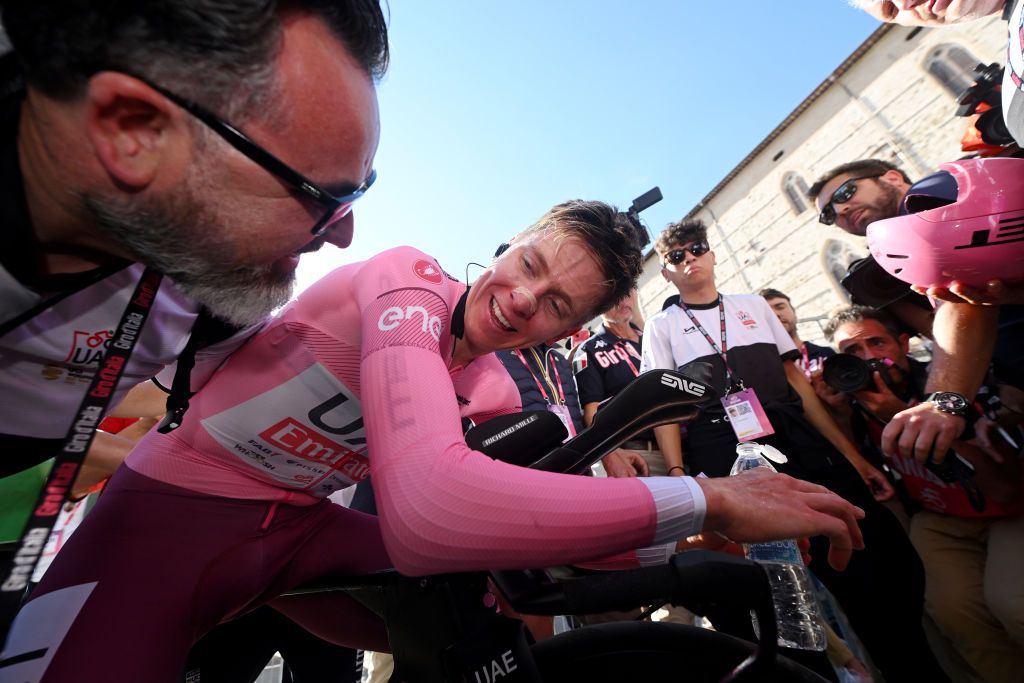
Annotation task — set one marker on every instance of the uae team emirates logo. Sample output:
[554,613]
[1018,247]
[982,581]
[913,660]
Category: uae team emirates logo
[425,270]
[292,437]
[87,347]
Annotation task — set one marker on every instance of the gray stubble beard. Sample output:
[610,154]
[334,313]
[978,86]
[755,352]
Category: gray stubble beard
[177,236]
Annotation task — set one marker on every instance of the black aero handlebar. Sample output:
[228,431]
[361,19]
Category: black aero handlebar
[655,398]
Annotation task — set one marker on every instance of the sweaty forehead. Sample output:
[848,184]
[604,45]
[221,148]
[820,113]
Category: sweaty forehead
[573,268]
[860,330]
[330,127]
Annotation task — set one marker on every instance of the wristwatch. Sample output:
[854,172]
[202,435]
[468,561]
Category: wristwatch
[950,402]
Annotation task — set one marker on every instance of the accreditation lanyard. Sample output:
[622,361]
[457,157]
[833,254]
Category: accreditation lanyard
[626,348]
[806,358]
[721,351]
[556,386]
[66,464]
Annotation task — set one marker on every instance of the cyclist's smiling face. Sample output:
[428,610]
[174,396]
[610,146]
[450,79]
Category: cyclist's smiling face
[543,287]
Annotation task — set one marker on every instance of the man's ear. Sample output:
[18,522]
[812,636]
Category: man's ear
[904,342]
[895,178]
[136,132]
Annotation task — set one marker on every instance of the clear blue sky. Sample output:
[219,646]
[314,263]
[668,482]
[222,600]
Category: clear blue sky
[492,112]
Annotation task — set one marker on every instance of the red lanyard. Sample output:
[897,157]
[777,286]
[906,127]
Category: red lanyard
[626,348]
[556,386]
[720,351]
[17,571]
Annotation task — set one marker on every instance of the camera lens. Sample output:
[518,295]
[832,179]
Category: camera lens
[846,373]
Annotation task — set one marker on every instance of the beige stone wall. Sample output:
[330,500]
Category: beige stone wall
[886,105]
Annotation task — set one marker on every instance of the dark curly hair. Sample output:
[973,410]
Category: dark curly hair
[678,234]
[612,241]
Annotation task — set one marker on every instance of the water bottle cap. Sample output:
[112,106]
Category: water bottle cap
[774,454]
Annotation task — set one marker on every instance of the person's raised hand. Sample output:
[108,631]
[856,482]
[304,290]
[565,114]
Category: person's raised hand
[993,293]
[920,432]
[882,403]
[836,401]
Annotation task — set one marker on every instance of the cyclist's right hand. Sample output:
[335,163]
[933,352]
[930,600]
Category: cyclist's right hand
[759,505]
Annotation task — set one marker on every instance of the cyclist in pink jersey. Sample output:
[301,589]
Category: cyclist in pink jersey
[371,370]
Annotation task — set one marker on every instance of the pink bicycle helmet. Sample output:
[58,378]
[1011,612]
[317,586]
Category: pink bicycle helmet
[963,223]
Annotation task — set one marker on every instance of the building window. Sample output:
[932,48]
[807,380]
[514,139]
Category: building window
[795,189]
[836,256]
[953,66]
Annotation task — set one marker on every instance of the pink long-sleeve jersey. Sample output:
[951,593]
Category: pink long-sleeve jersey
[353,379]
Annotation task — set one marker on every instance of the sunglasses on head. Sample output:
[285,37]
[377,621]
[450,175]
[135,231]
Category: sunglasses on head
[678,255]
[843,194]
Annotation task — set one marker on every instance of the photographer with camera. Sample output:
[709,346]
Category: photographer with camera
[969,554]
[872,378]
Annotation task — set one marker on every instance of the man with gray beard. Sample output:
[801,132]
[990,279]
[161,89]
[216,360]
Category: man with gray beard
[213,142]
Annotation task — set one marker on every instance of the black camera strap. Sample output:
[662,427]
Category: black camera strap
[721,351]
[17,574]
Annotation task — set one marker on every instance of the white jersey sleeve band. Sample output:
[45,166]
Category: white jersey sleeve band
[680,506]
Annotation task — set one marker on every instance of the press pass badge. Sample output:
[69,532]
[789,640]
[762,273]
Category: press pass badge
[746,415]
[562,411]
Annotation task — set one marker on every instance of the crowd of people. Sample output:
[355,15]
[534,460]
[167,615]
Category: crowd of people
[154,238]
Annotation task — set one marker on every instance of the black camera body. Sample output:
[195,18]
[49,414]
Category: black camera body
[870,285]
[847,374]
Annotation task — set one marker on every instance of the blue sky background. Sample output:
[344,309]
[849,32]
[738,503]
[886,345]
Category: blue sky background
[492,112]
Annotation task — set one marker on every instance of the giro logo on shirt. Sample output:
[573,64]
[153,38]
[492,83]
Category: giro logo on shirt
[87,347]
[427,271]
[747,320]
[615,355]
[394,316]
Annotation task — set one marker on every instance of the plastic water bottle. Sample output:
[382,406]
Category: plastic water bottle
[796,610]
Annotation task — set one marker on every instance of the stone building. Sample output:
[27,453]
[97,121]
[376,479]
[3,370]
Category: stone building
[894,99]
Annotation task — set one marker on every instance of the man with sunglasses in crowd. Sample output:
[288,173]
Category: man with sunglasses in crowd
[853,195]
[736,343]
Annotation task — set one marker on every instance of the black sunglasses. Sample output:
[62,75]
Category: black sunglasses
[337,207]
[678,255]
[843,194]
